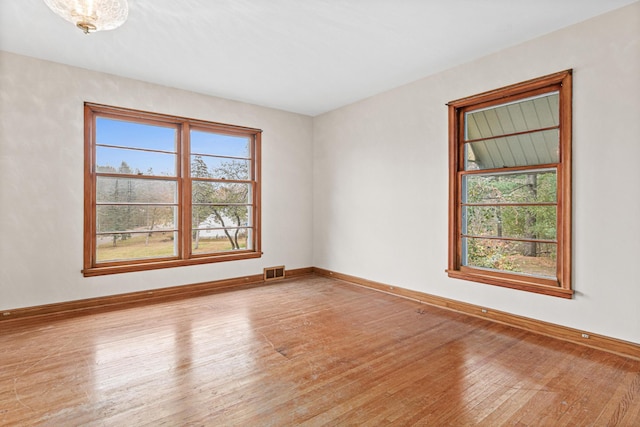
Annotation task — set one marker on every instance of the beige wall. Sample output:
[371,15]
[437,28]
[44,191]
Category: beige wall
[41,181]
[380,178]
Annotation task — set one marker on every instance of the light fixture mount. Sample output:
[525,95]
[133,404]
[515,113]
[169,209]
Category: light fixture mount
[91,15]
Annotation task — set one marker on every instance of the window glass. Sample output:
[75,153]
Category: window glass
[520,116]
[110,189]
[136,246]
[507,256]
[529,149]
[220,240]
[128,161]
[203,166]
[516,222]
[515,187]
[130,134]
[220,144]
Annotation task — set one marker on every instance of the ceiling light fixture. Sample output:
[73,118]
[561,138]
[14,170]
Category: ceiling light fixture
[91,15]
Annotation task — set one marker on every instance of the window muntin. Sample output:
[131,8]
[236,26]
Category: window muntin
[510,186]
[154,202]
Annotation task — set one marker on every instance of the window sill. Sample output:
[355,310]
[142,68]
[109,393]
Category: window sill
[113,268]
[523,283]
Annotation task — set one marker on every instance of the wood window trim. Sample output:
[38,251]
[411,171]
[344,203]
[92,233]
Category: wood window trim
[561,82]
[183,126]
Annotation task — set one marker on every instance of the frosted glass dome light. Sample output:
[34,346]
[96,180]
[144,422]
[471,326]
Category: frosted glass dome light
[91,15]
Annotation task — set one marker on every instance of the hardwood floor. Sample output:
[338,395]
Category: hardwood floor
[308,351]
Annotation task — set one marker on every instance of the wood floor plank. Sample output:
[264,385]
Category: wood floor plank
[306,351]
[627,410]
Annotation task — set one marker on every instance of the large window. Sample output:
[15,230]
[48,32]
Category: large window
[510,186]
[163,191]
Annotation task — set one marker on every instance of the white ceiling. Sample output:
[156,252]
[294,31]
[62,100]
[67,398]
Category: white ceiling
[305,56]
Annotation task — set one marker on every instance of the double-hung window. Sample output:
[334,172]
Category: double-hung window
[164,191]
[510,186]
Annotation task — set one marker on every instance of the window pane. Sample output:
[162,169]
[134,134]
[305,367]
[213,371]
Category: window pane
[529,222]
[532,187]
[127,219]
[529,149]
[116,247]
[136,162]
[205,216]
[537,259]
[229,239]
[134,135]
[218,192]
[131,190]
[521,116]
[219,144]
[219,168]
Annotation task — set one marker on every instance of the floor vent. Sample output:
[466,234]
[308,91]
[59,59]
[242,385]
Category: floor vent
[273,273]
